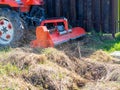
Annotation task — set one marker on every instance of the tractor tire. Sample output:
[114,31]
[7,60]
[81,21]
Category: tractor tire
[11,28]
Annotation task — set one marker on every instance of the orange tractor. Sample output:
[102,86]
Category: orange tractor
[15,15]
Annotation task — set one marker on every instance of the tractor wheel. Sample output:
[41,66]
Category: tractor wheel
[11,28]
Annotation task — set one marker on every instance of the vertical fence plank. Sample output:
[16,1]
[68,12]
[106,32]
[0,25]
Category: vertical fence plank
[105,15]
[116,14]
[85,14]
[58,8]
[96,15]
[79,12]
[89,14]
[50,8]
[112,18]
[72,11]
[65,8]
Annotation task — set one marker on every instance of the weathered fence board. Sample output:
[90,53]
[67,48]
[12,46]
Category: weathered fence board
[91,14]
[96,15]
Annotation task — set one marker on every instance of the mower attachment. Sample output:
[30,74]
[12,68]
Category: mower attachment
[45,38]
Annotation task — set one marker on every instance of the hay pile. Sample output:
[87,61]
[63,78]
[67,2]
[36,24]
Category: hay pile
[50,69]
[101,56]
[14,83]
[46,71]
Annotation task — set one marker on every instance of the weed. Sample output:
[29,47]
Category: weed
[9,69]
[48,51]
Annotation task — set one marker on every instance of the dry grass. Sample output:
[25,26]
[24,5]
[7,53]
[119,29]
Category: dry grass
[46,70]
[101,85]
[13,83]
[101,56]
[85,69]
[112,72]
[24,60]
[54,79]
[55,70]
[58,57]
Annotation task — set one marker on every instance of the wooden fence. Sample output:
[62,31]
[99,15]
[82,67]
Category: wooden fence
[98,15]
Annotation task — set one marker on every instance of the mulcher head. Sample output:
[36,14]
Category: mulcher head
[60,35]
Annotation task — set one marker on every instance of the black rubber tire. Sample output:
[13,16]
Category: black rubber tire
[18,28]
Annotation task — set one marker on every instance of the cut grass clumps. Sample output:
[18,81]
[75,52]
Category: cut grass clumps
[58,57]
[102,85]
[25,60]
[9,69]
[4,53]
[56,78]
[14,83]
[101,56]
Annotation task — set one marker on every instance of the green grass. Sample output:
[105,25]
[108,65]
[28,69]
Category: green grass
[9,69]
[108,45]
[111,45]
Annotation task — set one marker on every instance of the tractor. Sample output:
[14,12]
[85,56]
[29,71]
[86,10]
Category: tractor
[19,15]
